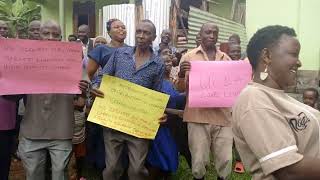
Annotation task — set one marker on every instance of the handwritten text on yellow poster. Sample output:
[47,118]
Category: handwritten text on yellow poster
[129,108]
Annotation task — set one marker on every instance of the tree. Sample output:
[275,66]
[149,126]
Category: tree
[19,13]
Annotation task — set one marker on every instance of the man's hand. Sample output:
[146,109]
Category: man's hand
[184,67]
[163,119]
[96,93]
[86,88]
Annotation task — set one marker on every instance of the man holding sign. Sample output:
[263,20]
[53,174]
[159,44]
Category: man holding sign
[47,125]
[208,128]
[141,66]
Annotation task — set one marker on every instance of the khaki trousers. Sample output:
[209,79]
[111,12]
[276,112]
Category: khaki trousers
[137,151]
[206,138]
[34,156]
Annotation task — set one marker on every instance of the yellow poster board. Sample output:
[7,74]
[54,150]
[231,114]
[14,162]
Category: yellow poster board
[128,108]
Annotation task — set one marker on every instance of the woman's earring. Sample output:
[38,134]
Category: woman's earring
[264,75]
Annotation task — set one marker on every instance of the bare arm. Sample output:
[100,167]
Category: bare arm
[92,68]
[307,168]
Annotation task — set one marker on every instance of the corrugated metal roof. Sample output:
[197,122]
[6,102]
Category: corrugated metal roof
[125,13]
[158,11]
[227,27]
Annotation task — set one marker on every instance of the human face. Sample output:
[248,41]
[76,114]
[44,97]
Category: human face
[165,52]
[4,29]
[50,33]
[309,98]
[166,37]
[235,52]
[144,35]
[72,39]
[234,41]
[118,31]
[168,63]
[174,60]
[83,33]
[34,31]
[284,62]
[209,35]
[198,40]
[99,42]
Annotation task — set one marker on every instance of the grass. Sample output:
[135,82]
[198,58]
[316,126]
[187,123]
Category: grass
[183,173]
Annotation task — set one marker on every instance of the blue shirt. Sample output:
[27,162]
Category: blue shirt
[122,65]
[101,54]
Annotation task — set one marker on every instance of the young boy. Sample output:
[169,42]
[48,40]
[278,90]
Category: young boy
[310,97]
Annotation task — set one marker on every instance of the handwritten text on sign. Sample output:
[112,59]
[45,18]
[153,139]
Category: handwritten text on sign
[129,108]
[217,83]
[35,67]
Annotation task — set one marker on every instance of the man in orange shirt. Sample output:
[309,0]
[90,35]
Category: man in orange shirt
[208,128]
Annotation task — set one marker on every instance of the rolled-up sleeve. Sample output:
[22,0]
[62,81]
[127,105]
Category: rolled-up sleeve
[270,138]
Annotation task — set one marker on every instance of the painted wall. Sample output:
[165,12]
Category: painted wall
[298,14]
[50,10]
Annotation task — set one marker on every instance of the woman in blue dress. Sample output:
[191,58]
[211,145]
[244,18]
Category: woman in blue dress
[98,58]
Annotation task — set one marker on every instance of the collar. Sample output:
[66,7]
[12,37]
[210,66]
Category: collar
[131,50]
[219,54]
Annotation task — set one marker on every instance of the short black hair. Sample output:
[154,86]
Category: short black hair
[72,36]
[313,90]
[109,23]
[235,36]
[154,30]
[265,38]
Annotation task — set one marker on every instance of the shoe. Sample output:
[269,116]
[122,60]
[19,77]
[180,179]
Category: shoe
[239,168]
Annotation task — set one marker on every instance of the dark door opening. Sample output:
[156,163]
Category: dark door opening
[84,13]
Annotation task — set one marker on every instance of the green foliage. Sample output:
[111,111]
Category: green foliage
[19,13]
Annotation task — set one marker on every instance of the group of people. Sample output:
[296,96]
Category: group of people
[276,136]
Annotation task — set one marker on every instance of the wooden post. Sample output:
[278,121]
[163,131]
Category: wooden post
[204,5]
[62,19]
[175,5]
[139,12]
[100,22]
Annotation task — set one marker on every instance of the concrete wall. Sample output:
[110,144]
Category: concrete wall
[298,14]
[50,10]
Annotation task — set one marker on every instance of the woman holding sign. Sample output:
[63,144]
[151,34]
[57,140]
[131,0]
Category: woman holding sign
[98,58]
[277,136]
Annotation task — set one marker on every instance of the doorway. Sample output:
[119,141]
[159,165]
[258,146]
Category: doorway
[84,13]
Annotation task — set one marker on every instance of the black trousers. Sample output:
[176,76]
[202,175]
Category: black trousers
[6,144]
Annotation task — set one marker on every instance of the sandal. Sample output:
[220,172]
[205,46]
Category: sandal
[239,168]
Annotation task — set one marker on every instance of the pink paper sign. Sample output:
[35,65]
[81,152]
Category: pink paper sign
[36,67]
[217,83]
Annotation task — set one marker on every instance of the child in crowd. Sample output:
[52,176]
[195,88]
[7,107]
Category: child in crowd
[162,158]
[310,97]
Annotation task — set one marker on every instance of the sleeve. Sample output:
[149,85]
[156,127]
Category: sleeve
[180,83]
[96,54]
[99,53]
[157,86]
[110,67]
[270,138]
